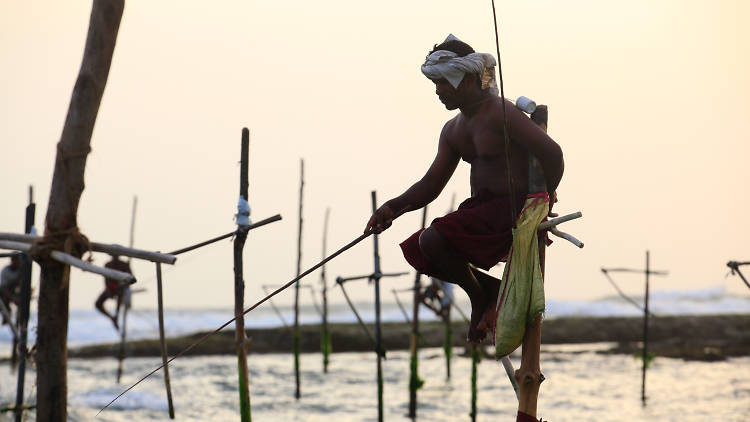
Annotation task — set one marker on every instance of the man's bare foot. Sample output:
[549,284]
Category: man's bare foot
[476,334]
[491,287]
[114,321]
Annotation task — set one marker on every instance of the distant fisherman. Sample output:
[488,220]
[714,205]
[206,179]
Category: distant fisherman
[479,231]
[113,289]
[10,282]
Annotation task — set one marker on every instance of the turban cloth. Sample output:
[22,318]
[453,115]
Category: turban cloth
[443,64]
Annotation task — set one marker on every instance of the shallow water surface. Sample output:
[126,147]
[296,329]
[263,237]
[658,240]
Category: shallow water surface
[582,385]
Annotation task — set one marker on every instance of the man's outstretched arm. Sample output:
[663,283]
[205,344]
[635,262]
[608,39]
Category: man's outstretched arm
[424,191]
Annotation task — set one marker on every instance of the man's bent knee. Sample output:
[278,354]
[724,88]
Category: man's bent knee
[432,244]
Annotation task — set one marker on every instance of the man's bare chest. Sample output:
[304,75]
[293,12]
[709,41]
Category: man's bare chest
[477,142]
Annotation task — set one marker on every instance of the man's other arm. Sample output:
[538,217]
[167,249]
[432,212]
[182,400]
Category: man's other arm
[528,134]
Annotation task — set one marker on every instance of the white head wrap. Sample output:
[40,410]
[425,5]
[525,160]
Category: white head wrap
[446,64]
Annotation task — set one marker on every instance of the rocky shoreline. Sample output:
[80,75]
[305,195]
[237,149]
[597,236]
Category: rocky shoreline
[710,338]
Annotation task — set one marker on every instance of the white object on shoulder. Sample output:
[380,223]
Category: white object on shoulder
[526,104]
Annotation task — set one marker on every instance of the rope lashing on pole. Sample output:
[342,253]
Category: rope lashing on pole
[260,302]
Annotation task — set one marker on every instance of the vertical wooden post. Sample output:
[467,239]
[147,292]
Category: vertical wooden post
[162,340]
[645,335]
[132,223]
[414,382]
[125,293]
[325,336]
[297,392]
[62,209]
[378,334]
[529,375]
[23,311]
[239,289]
[125,300]
[476,356]
[448,332]
[448,342]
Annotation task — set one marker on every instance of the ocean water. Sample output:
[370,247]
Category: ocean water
[581,385]
[90,327]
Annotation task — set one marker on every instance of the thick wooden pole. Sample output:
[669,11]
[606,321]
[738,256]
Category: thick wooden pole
[296,336]
[378,334]
[65,194]
[645,334]
[162,340]
[325,335]
[239,289]
[24,311]
[414,382]
[529,375]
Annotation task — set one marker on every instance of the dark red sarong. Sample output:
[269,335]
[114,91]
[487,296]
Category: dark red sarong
[524,417]
[480,231]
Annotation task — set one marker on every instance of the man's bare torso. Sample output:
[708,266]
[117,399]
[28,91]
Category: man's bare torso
[478,140]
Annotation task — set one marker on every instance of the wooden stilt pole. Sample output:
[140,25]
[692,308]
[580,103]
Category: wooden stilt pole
[414,381]
[24,311]
[162,340]
[125,300]
[296,336]
[378,334]
[123,331]
[65,193]
[529,375]
[645,334]
[646,313]
[476,356]
[325,336]
[239,289]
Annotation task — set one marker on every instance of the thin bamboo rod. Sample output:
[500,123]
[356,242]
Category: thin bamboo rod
[275,309]
[378,334]
[162,340]
[260,223]
[325,337]
[414,382]
[645,334]
[206,336]
[24,308]
[123,332]
[68,259]
[362,324]
[239,289]
[545,225]
[111,249]
[297,336]
[401,307]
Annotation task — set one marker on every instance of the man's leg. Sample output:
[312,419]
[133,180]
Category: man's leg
[454,269]
[100,306]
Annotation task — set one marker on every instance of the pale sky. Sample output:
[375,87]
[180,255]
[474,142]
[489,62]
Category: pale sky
[648,100]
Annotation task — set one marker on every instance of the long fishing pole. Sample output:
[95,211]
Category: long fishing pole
[275,292]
